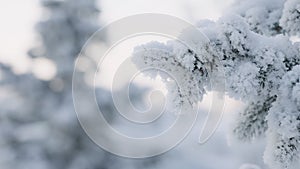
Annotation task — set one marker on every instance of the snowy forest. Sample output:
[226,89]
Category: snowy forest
[254,43]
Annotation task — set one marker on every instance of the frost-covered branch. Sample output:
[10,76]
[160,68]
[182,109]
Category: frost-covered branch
[255,53]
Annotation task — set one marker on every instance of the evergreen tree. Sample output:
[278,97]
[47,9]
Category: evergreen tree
[39,129]
[251,43]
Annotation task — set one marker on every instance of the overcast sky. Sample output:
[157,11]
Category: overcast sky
[18,18]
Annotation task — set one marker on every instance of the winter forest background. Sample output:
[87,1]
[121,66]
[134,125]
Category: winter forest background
[257,41]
